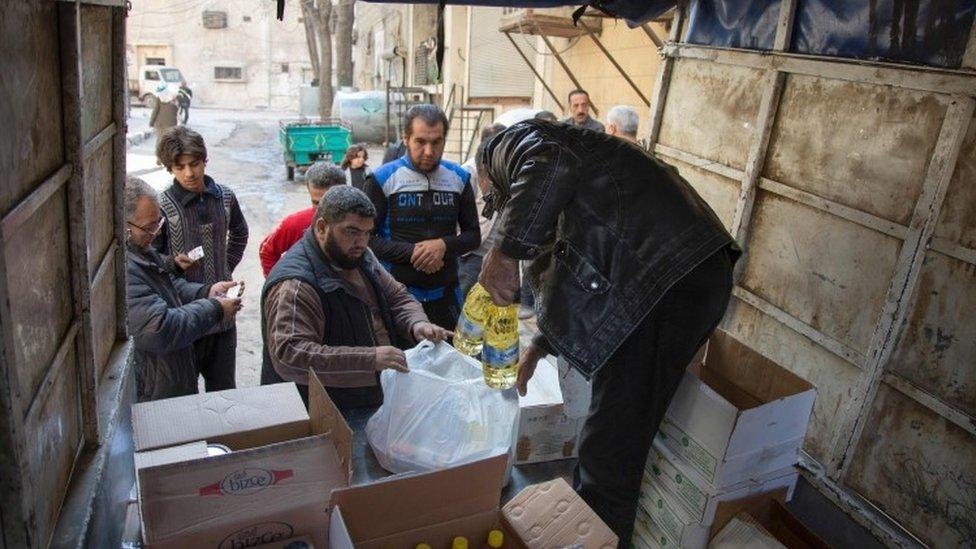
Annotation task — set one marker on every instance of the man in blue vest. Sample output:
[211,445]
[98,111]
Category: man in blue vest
[425,216]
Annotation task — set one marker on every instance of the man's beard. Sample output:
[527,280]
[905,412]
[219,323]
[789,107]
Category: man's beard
[339,257]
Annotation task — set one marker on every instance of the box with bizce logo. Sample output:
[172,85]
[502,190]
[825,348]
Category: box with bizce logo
[273,486]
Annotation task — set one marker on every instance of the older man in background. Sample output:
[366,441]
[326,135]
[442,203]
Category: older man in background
[319,178]
[622,121]
[166,314]
[579,109]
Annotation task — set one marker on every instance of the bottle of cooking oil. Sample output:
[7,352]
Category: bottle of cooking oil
[499,358]
[469,334]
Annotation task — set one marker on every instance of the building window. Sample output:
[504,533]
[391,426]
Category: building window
[284,68]
[234,74]
[215,19]
[247,18]
[155,61]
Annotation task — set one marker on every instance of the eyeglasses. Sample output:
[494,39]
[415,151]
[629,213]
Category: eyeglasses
[152,231]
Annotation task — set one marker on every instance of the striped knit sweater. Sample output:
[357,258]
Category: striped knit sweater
[212,219]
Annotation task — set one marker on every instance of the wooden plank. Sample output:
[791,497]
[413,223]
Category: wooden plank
[889,532]
[646,27]
[784,27]
[834,346]
[956,416]
[772,90]
[100,139]
[951,82]
[72,101]
[954,250]
[53,371]
[699,162]
[905,279]
[969,57]
[29,206]
[120,87]
[853,215]
[15,490]
[661,83]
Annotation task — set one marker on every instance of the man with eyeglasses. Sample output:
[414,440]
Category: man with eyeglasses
[330,306]
[166,315]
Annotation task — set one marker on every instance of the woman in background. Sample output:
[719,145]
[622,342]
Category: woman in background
[355,165]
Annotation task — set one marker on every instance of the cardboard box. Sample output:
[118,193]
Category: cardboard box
[435,507]
[251,496]
[737,414]
[678,524]
[301,542]
[699,498]
[768,511]
[238,418]
[647,534]
[545,431]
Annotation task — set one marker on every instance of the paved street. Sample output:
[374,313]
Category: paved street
[244,154]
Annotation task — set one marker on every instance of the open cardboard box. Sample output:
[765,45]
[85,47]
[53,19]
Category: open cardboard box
[435,507]
[770,512]
[545,431]
[274,485]
[737,414]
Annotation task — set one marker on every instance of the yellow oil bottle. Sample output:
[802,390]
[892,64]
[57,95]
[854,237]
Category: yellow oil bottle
[469,334]
[499,358]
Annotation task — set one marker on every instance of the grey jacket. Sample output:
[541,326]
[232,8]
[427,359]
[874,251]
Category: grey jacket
[165,316]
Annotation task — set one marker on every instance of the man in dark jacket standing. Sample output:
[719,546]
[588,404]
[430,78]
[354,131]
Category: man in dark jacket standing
[631,271]
[425,216]
[201,216]
[166,315]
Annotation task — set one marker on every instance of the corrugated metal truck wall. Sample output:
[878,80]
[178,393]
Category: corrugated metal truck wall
[61,272]
[852,186]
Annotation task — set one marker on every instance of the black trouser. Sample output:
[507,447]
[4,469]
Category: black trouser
[444,311]
[216,356]
[631,392]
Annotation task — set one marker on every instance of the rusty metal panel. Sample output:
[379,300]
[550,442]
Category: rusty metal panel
[99,205]
[865,146]
[103,304]
[720,192]
[833,376]
[958,220]
[918,468]
[827,272]
[39,282]
[30,98]
[711,111]
[96,58]
[937,345]
[54,433]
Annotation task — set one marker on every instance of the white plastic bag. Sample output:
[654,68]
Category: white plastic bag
[440,414]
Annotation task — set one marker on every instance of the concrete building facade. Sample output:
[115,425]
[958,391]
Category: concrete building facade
[232,53]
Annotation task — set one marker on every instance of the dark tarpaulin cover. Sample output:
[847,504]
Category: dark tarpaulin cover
[749,25]
[634,11]
[929,32]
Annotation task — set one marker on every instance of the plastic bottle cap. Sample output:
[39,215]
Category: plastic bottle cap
[495,539]
[460,542]
[422,546]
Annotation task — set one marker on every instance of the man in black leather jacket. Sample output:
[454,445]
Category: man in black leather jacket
[631,270]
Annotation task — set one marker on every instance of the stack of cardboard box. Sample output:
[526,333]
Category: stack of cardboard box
[285,484]
[551,414]
[734,429]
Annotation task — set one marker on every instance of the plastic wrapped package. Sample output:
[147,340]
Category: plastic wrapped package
[440,414]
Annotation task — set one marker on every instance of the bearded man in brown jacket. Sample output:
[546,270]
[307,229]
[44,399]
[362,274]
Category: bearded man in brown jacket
[330,306]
